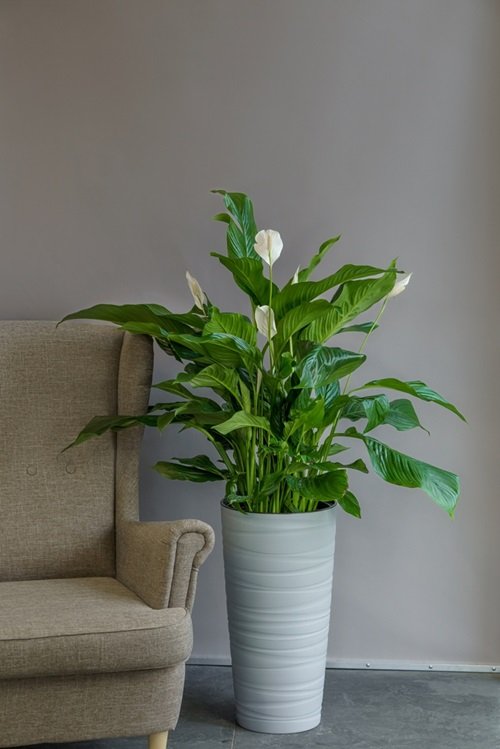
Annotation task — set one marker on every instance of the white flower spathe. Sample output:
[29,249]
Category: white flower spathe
[295,278]
[268,245]
[264,319]
[196,291]
[399,286]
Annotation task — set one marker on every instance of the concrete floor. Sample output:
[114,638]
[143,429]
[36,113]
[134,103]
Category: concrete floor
[362,710]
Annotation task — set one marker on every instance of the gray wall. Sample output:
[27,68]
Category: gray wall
[376,119]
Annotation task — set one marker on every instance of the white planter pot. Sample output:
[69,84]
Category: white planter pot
[279,571]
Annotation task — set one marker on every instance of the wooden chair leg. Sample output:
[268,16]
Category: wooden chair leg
[158,740]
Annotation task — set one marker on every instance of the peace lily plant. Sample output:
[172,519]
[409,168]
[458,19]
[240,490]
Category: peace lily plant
[282,408]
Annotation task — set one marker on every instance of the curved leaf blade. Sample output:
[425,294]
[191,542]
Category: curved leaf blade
[233,324]
[323,365]
[182,472]
[327,487]
[355,297]
[403,470]
[417,388]
[350,504]
[240,420]
[304,291]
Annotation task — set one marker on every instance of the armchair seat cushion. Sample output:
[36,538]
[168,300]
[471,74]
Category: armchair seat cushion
[85,625]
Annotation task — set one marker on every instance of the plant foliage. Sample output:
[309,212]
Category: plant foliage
[281,396]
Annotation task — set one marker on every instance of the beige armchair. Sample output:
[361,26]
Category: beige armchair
[95,624]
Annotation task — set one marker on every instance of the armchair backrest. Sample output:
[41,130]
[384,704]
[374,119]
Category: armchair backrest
[57,510]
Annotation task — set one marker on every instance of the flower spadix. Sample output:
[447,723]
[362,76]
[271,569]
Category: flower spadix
[268,245]
[264,319]
[399,286]
[196,291]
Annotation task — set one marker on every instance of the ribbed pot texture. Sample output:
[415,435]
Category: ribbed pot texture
[279,571]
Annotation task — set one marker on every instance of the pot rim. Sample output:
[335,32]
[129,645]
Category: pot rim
[326,506]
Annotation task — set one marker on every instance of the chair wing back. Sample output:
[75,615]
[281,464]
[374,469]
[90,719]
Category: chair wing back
[57,510]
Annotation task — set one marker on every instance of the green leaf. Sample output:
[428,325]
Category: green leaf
[396,468]
[240,420]
[101,424]
[417,388]
[402,416]
[355,297]
[119,313]
[324,488]
[350,504]
[323,365]
[185,472]
[130,315]
[376,410]
[175,387]
[298,318]
[336,448]
[292,295]
[248,275]
[220,348]
[204,463]
[218,377]
[317,258]
[232,323]
[164,420]
[310,417]
[224,217]
[242,237]
[364,327]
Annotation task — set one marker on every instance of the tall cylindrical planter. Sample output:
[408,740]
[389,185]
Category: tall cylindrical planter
[279,571]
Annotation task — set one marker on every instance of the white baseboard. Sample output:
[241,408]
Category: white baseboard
[372,665]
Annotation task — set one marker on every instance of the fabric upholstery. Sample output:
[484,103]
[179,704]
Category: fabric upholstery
[94,605]
[91,706]
[159,561]
[85,625]
[56,509]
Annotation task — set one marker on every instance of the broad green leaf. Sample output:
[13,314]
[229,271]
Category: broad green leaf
[164,420]
[364,327]
[294,294]
[317,258]
[311,417]
[147,328]
[232,323]
[240,207]
[376,410]
[240,420]
[356,465]
[330,394]
[101,424]
[355,297]
[402,416]
[350,504]
[224,217]
[336,448]
[325,488]
[298,318]
[175,387]
[396,468]
[204,463]
[218,377]
[220,348]
[120,313]
[323,365]
[248,275]
[184,472]
[417,388]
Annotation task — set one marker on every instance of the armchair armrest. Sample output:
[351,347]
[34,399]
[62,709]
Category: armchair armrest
[159,561]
